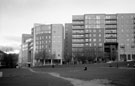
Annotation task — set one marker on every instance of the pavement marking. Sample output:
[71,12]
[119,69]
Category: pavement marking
[78,82]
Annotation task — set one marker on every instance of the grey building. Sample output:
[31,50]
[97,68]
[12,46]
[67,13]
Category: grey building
[68,42]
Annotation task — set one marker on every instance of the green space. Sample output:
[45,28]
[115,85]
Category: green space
[121,76]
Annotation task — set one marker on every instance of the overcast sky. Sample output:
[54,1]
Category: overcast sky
[18,16]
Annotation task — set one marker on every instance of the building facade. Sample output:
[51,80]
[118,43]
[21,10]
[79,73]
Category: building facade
[88,36]
[48,44]
[25,54]
[68,42]
[104,36]
[126,36]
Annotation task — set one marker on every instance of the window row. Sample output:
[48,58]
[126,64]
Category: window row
[78,22]
[77,27]
[77,36]
[110,40]
[92,30]
[110,35]
[77,40]
[43,42]
[43,37]
[93,17]
[110,31]
[93,35]
[77,31]
[94,26]
[94,21]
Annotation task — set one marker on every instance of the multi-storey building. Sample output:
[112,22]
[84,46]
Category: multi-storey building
[26,52]
[48,40]
[68,42]
[126,36]
[110,36]
[110,42]
[88,35]
[94,36]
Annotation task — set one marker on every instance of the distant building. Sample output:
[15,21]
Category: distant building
[104,36]
[88,36]
[48,39]
[110,42]
[126,36]
[68,42]
[25,53]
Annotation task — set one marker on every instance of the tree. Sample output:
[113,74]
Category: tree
[42,55]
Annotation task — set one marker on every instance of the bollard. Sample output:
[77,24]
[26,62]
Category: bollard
[1,74]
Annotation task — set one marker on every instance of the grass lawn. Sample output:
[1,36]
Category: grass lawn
[119,77]
[23,77]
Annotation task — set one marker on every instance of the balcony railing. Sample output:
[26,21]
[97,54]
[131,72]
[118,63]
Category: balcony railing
[77,27]
[77,17]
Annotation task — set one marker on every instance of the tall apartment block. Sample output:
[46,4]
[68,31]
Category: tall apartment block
[104,36]
[126,36]
[110,38]
[68,42]
[88,35]
[49,40]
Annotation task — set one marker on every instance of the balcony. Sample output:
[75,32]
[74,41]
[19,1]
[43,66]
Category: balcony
[77,17]
[110,26]
[110,40]
[111,31]
[111,22]
[78,23]
[77,27]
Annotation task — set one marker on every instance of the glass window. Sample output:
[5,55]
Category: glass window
[94,31]
[94,40]
[94,35]
[99,35]
[100,44]
[86,40]
[99,40]
[90,40]
[86,44]
[94,44]
[90,35]
[90,44]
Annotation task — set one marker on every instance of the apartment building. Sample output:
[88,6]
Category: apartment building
[126,36]
[25,54]
[68,42]
[48,44]
[110,42]
[104,36]
[88,35]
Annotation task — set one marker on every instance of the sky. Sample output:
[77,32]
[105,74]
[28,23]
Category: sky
[18,16]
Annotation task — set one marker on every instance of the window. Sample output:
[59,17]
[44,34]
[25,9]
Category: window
[86,40]
[94,31]
[90,44]
[86,44]
[86,35]
[97,17]
[100,44]
[94,35]
[94,44]
[90,40]
[94,40]
[99,35]
[99,40]
[99,30]
[90,35]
